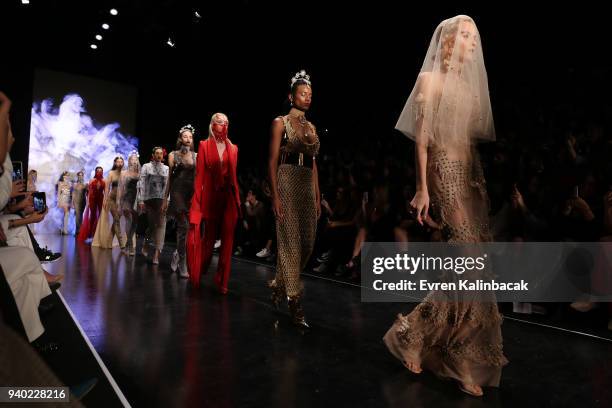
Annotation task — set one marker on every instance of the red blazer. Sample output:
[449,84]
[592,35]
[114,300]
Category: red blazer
[203,185]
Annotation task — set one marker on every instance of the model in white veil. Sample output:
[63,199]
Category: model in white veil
[447,111]
[449,104]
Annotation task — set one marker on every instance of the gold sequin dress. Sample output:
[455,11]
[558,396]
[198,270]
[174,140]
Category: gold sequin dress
[296,230]
[457,339]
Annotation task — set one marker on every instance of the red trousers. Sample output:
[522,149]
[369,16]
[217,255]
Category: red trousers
[222,224]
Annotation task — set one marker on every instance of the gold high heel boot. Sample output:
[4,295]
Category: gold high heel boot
[277,294]
[296,311]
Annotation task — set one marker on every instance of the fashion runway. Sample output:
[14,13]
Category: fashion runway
[166,344]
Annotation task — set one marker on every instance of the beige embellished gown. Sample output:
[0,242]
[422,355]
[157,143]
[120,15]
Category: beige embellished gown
[297,230]
[454,339]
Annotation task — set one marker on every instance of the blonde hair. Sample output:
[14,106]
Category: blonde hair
[447,39]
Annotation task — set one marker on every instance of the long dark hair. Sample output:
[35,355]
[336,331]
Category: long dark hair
[115,167]
[179,142]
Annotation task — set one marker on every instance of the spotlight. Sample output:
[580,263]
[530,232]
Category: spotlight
[98,37]
[93,46]
[170,42]
[114,12]
[105,26]
[25,1]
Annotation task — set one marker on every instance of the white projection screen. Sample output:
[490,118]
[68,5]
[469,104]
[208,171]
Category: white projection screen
[78,123]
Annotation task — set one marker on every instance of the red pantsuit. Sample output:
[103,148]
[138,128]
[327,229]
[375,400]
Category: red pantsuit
[216,201]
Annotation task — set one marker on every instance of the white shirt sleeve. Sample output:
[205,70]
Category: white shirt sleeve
[6,182]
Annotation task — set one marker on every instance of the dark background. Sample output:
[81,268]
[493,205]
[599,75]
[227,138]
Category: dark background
[106,102]
[363,59]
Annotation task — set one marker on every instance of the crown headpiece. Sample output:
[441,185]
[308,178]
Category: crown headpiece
[300,76]
[187,127]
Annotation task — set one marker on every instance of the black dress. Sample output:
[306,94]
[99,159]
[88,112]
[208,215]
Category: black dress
[181,185]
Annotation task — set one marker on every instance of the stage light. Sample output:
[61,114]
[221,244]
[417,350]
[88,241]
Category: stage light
[94,46]
[170,42]
[114,12]
[105,26]
[98,37]
[25,1]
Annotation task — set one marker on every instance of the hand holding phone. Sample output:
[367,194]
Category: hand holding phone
[18,187]
[17,170]
[40,201]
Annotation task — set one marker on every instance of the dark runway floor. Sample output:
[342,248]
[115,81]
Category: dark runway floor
[168,345]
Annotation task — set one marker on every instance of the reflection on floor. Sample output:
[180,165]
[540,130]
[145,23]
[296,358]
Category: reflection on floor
[169,345]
